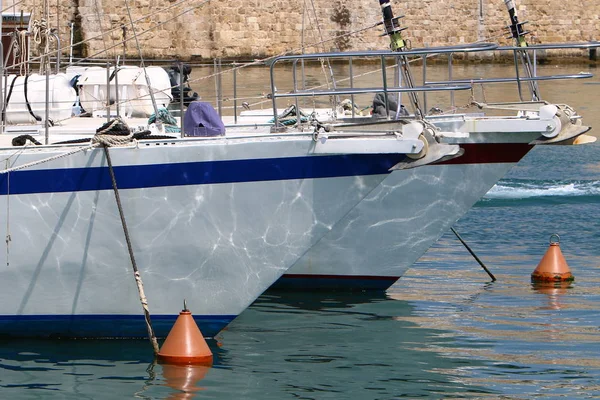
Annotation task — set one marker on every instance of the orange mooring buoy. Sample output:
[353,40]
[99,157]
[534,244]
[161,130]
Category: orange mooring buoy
[553,266]
[185,343]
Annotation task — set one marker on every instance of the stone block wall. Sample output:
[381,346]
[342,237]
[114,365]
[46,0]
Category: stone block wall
[255,29]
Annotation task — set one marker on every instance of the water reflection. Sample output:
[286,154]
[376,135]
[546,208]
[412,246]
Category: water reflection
[336,345]
[92,369]
[183,379]
[440,332]
[554,291]
[274,299]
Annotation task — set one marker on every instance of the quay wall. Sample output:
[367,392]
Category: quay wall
[195,30]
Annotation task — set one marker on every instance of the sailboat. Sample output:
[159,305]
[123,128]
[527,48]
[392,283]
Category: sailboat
[100,215]
[397,222]
[101,212]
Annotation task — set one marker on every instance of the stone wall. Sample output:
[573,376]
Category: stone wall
[254,29]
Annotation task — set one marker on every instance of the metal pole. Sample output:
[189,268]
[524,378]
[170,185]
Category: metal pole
[71,46]
[220,90]
[117,87]
[385,96]
[182,133]
[474,255]
[216,84]
[108,92]
[295,80]
[450,76]
[124,30]
[424,80]
[58,19]
[47,114]
[273,95]
[397,43]
[398,81]
[351,84]
[57,51]
[234,70]
[518,33]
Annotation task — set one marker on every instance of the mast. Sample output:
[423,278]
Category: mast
[518,34]
[516,27]
[398,44]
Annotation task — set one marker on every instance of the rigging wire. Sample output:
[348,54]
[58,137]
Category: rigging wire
[118,28]
[264,98]
[238,66]
[150,90]
[102,33]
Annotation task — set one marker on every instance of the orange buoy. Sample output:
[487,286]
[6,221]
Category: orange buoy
[185,343]
[553,266]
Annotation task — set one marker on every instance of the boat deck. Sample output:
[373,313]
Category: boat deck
[85,127]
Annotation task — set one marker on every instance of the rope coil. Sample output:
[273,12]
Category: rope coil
[41,37]
[112,134]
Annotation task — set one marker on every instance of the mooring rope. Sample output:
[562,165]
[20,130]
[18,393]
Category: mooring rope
[112,133]
[136,272]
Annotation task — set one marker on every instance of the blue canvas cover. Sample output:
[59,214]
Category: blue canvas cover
[201,119]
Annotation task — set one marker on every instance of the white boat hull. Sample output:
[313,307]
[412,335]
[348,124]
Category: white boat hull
[208,224]
[379,240]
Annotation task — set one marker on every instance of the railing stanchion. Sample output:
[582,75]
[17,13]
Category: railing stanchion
[117,87]
[234,69]
[351,84]
[516,58]
[450,76]
[108,93]
[295,80]
[273,95]
[424,57]
[182,133]
[220,89]
[385,90]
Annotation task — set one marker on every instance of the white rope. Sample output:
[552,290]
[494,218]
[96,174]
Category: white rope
[45,160]
[112,140]
[41,37]
[100,139]
[19,51]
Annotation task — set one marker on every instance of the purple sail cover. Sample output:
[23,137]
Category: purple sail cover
[201,119]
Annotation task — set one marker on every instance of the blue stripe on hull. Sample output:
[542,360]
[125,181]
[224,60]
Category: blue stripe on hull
[101,326]
[197,173]
[333,282]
